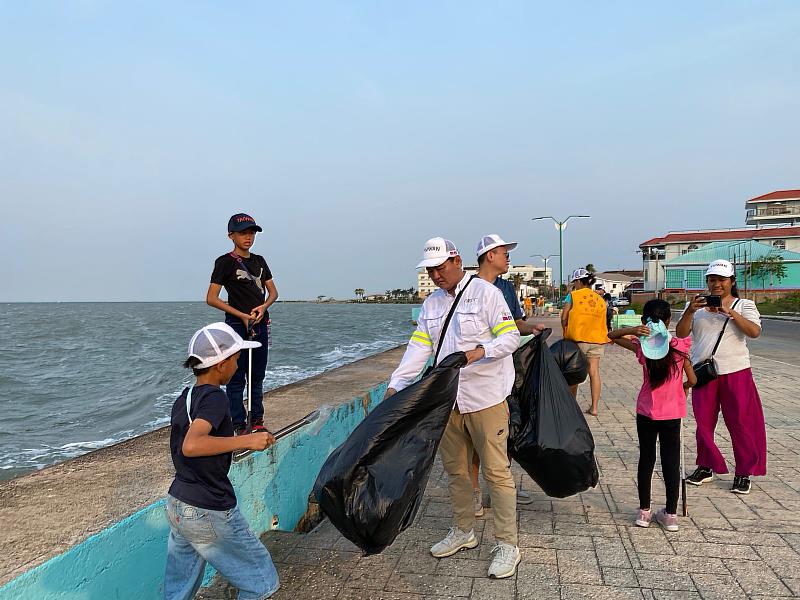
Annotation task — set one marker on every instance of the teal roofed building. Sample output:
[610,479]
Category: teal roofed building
[687,272]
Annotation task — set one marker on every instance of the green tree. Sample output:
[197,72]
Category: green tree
[590,268]
[359,293]
[517,279]
[770,266]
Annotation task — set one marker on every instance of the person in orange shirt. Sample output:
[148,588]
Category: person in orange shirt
[584,321]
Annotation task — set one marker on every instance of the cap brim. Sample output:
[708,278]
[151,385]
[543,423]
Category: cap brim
[256,227]
[246,345]
[509,245]
[433,262]
[718,272]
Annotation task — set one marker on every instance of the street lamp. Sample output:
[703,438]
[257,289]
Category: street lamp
[560,225]
[545,259]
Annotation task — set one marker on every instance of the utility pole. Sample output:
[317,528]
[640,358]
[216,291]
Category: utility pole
[545,259]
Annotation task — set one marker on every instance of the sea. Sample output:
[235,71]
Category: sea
[75,377]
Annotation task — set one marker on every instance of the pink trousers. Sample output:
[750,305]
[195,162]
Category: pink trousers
[736,395]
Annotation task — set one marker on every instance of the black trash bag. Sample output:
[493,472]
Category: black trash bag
[571,360]
[548,434]
[371,486]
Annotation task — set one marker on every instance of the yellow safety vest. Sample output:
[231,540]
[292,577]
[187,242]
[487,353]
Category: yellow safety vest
[587,318]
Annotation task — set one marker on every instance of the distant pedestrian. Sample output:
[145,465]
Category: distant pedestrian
[660,406]
[204,520]
[540,305]
[251,290]
[720,333]
[583,318]
[528,306]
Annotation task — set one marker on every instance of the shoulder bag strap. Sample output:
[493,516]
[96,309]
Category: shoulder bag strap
[447,320]
[721,333]
[250,276]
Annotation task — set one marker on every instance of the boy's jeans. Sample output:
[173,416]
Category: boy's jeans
[235,388]
[221,538]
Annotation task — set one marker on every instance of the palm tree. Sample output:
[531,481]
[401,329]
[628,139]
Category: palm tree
[359,293]
[590,268]
[517,279]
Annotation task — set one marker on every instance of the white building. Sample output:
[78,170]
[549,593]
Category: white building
[776,208]
[532,277]
[614,283]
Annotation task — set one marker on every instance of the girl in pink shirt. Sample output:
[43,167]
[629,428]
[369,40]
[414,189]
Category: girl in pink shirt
[660,406]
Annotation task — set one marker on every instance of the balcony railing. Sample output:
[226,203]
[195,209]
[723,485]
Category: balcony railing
[773,211]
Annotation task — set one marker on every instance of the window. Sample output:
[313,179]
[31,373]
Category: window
[675,278]
[694,279]
[693,247]
[779,244]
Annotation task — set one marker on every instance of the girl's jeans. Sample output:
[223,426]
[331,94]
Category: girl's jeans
[221,538]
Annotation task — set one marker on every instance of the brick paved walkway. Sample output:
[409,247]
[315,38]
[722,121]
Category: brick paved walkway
[729,547]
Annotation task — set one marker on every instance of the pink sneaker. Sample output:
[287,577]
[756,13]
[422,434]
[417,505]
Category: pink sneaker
[667,521]
[644,518]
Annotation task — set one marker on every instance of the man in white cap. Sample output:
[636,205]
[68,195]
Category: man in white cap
[483,328]
[493,261]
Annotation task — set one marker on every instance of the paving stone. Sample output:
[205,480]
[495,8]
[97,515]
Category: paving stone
[599,592]
[578,566]
[718,587]
[754,578]
[442,585]
[682,564]
[491,589]
[784,561]
[619,577]
[675,595]
[664,580]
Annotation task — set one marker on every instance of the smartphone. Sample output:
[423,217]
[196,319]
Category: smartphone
[714,301]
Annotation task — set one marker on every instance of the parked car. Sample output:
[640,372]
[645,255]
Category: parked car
[621,301]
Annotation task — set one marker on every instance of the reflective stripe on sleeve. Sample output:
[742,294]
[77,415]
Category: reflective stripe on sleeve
[421,337]
[503,327]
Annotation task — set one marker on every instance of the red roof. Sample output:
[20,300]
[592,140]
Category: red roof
[721,236]
[780,195]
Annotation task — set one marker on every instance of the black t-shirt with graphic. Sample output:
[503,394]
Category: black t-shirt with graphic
[244,294]
[202,481]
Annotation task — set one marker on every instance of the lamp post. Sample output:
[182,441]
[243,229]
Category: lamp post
[545,259]
[560,225]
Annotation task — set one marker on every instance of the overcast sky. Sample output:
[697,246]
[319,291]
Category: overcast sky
[354,131]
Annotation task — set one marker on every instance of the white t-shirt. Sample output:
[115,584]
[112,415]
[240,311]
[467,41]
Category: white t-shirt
[732,354]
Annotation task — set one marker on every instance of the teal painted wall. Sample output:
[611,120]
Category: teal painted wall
[127,559]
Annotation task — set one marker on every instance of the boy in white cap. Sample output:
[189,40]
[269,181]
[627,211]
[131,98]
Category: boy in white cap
[483,328]
[204,520]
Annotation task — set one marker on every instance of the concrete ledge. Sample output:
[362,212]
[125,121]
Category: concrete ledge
[106,505]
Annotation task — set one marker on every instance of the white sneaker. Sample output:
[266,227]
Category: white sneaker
[524,497]
[477,498]
[454,541]
[505,561]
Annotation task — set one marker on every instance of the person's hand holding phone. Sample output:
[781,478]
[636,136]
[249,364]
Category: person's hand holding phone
[696,304]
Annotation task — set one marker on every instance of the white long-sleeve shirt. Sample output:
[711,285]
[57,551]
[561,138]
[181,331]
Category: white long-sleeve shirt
[481,317]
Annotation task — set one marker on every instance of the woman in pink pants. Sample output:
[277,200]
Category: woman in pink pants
[734,391]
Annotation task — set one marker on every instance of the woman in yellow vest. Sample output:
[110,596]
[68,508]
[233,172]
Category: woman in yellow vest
[584,321]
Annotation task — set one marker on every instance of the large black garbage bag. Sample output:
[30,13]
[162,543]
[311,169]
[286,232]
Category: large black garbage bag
[548,434]
[372,485]
[571,361]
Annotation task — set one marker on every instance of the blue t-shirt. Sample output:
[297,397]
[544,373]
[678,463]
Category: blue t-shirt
[510,294]
[202,481]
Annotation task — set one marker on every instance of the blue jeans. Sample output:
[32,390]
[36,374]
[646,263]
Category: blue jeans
[221,538]
[235,388]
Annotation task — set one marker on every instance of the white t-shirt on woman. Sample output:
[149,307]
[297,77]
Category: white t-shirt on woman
[732,354]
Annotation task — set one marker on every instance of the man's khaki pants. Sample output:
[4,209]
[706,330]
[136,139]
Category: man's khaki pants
[485,431]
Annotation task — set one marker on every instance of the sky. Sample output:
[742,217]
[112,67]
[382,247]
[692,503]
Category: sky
[355,131]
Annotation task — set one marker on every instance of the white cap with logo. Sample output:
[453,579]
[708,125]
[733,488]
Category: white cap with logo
[492,241]
[437,250]
[720,267]
[215,342]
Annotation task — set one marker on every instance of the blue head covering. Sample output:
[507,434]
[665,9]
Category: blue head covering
[656,345]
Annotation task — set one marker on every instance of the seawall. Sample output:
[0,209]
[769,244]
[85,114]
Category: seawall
[93,526]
